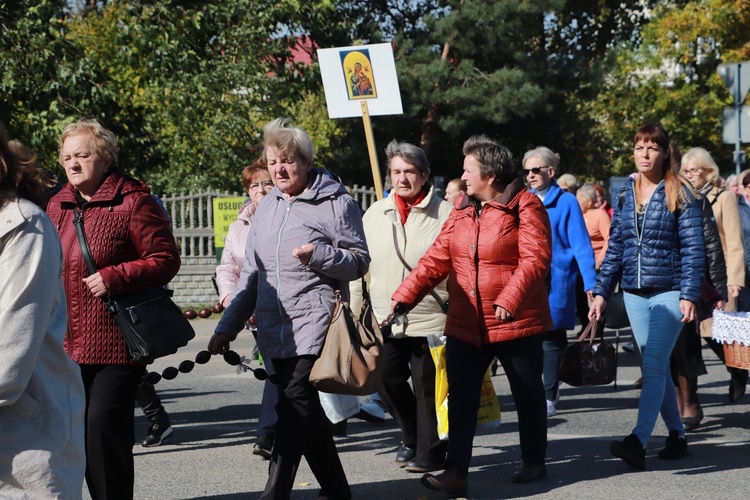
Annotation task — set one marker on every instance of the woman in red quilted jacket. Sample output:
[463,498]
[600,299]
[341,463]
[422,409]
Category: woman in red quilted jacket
[495,250]
[133,248]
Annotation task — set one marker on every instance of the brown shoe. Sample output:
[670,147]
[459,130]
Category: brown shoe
[528,473]
[447,482]
[638,384]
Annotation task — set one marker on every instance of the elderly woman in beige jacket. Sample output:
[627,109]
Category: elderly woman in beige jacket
[399,231]
[41,393]
[703,173]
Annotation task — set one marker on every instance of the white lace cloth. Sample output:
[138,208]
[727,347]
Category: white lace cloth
[731,327]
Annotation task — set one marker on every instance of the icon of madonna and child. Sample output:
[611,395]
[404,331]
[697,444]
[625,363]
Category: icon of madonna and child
[358,70]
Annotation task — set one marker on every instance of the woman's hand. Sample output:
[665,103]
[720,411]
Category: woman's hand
[597,308]
[219,343]
[96,284]
[688,311]
[734,290]
[502,314]
[304,253]
[720,305]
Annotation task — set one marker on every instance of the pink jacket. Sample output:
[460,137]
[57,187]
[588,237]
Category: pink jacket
[228,271]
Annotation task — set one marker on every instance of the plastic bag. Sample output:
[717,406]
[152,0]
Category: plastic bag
[437,351]
[339,407]
[488,416]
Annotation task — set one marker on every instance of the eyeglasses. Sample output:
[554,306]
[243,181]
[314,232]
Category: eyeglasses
[256,185]
[690,171]
[535,170]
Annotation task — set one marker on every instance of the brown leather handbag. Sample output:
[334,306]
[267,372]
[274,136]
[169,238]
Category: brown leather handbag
[352,354]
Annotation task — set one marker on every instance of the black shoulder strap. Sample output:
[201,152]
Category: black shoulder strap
[443,305]
[85,251]
[621,198]
[716,197]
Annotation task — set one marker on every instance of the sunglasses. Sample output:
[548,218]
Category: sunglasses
[535,170]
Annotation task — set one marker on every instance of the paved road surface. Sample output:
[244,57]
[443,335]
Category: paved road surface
[214,413]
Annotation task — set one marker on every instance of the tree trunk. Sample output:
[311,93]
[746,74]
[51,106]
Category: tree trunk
[429,125]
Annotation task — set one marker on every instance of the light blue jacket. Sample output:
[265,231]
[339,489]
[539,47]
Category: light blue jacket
[293,302]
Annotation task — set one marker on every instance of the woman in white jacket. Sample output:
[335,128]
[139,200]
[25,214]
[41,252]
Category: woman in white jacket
[399,230]
[41,392]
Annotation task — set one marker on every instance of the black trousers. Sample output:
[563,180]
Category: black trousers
[302,429]
[413,409]
[522,361]
[110,407]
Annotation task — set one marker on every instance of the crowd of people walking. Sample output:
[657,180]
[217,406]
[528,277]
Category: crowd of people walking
[500,264]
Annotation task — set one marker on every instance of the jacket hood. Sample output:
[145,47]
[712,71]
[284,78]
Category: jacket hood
[115,184]
[246,211]
[324,184]
[508,198]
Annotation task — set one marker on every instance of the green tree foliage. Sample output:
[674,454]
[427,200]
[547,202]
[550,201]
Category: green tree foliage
[669,76]
[185,85]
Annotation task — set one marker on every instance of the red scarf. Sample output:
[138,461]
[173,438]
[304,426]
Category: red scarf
[404,208]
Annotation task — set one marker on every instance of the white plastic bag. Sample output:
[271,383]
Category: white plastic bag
[339,407]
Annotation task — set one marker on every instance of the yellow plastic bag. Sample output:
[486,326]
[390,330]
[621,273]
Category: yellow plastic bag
[488,416]
[437,351]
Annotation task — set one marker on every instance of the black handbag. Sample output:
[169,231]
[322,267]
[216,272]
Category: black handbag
[586,363]
[152,325]
[615,315]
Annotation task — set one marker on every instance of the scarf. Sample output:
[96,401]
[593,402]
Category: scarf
[405,208]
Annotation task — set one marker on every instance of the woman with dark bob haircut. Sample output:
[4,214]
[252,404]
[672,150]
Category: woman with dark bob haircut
[496,274]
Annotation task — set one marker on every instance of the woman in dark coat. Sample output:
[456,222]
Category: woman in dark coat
[133,248]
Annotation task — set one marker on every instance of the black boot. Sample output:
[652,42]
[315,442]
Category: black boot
[631,451]
[159,429]
[674,447]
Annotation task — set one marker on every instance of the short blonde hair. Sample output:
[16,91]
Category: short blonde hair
[701,158]
[102,141]
[567,181]
[288,140]
[587,192]
[549,157]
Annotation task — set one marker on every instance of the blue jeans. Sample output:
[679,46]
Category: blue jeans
[655,320]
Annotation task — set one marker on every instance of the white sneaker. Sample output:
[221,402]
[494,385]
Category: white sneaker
[551,410]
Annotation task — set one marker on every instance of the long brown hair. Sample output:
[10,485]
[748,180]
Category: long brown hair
[676,187]
[18,176]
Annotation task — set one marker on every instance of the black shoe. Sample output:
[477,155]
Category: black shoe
[159,430]
[447,482]
[424,466]
[528,473]
[692,423]
[263,446]
[493,367]
[628,347]
[737,385]
[371,412]
[674,447]
[631,451]
[405,454]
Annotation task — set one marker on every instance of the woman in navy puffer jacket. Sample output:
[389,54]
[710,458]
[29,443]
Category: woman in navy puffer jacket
[657,251]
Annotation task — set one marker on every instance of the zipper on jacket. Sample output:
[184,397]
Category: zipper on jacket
[324,304]
[278,274]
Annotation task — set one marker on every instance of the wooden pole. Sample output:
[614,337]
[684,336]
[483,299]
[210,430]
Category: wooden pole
[371,149]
